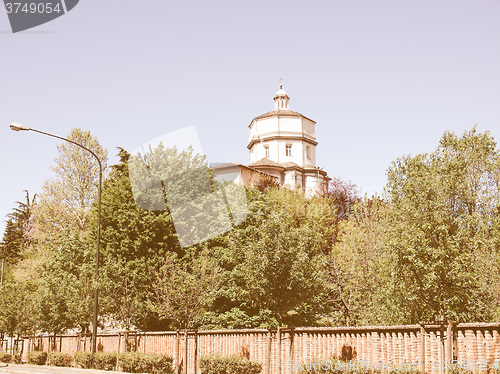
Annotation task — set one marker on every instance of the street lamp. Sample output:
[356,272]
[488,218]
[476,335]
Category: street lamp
[18,127]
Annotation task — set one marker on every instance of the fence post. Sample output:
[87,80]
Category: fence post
[268,356]
[292,336]
[177,352]
[185,351]
[449,344]
[422,348]
[441,347]
[279,350]
[195,351]
[118,351]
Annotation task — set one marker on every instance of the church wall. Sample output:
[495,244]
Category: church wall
[309,162]
[289,179]
[297,152]
[309,127]
[290,124]
[273,150]
[266,125]
[312,185]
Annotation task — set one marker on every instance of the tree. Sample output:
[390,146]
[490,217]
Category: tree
[182,292]
[15,238]
[66,201]
[134,244]
[444,206]
[279,262]
[342,197]
[54,265]
[358,272]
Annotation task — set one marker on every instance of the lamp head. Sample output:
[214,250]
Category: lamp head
[18,127]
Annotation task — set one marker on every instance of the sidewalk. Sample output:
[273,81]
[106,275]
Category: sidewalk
[44,369]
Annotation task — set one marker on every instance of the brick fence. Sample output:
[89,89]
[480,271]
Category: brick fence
[424,346]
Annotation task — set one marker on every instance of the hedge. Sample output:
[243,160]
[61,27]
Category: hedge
[134,362]
[84,359]
[60,359]
[37,358]
[105,361]
[5,357]
[229,365]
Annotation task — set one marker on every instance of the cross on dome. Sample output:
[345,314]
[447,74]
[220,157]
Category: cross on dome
[281,98]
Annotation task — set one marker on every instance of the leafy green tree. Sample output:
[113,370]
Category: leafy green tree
[444,206]
[279,262]
[182,291]
[358,271]
[18,312]
[134,244]
[66,284]
[15,238]
[66,200]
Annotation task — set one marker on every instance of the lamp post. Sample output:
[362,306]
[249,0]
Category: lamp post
[18,127]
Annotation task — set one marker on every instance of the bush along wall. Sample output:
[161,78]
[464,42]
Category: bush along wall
[37,357]
[229,365]
[105,360]
[5,357]
[60,359]
[134,362]
[84,359]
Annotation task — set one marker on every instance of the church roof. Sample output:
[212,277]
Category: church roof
[282,112]
[291,165]
[265,162]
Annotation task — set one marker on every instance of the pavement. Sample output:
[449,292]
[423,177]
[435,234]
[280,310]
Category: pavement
[44,369]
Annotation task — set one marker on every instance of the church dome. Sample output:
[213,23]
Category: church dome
[281,99]
[281,92]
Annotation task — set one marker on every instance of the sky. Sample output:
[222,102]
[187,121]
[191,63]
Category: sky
[382,79]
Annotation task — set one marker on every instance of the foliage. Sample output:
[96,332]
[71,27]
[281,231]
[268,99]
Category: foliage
[265,181]
[84,359]
[17,315]
[66,200]
[182,291]
[15,238]
[444,206]
[134,362]
[60,359]
[5,357]
[278,264]
[359,266]
[336,366]
[105,360]
[342,196]
[37,357]
[53,268]
[17,359]
[134,244]
[66,285]
[229,365]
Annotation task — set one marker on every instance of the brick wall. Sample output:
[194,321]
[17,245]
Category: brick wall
[378,345]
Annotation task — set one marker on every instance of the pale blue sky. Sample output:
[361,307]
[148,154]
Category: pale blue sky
[381,78]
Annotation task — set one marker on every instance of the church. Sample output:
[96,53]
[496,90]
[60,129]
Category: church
[282,147]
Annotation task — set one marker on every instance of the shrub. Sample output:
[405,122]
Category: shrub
[331,366]
[335,366]
[16,359]
[37,357]
[60,359]
[229,365]
[105,360]
[5,357]
[84,359]
[134,362]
